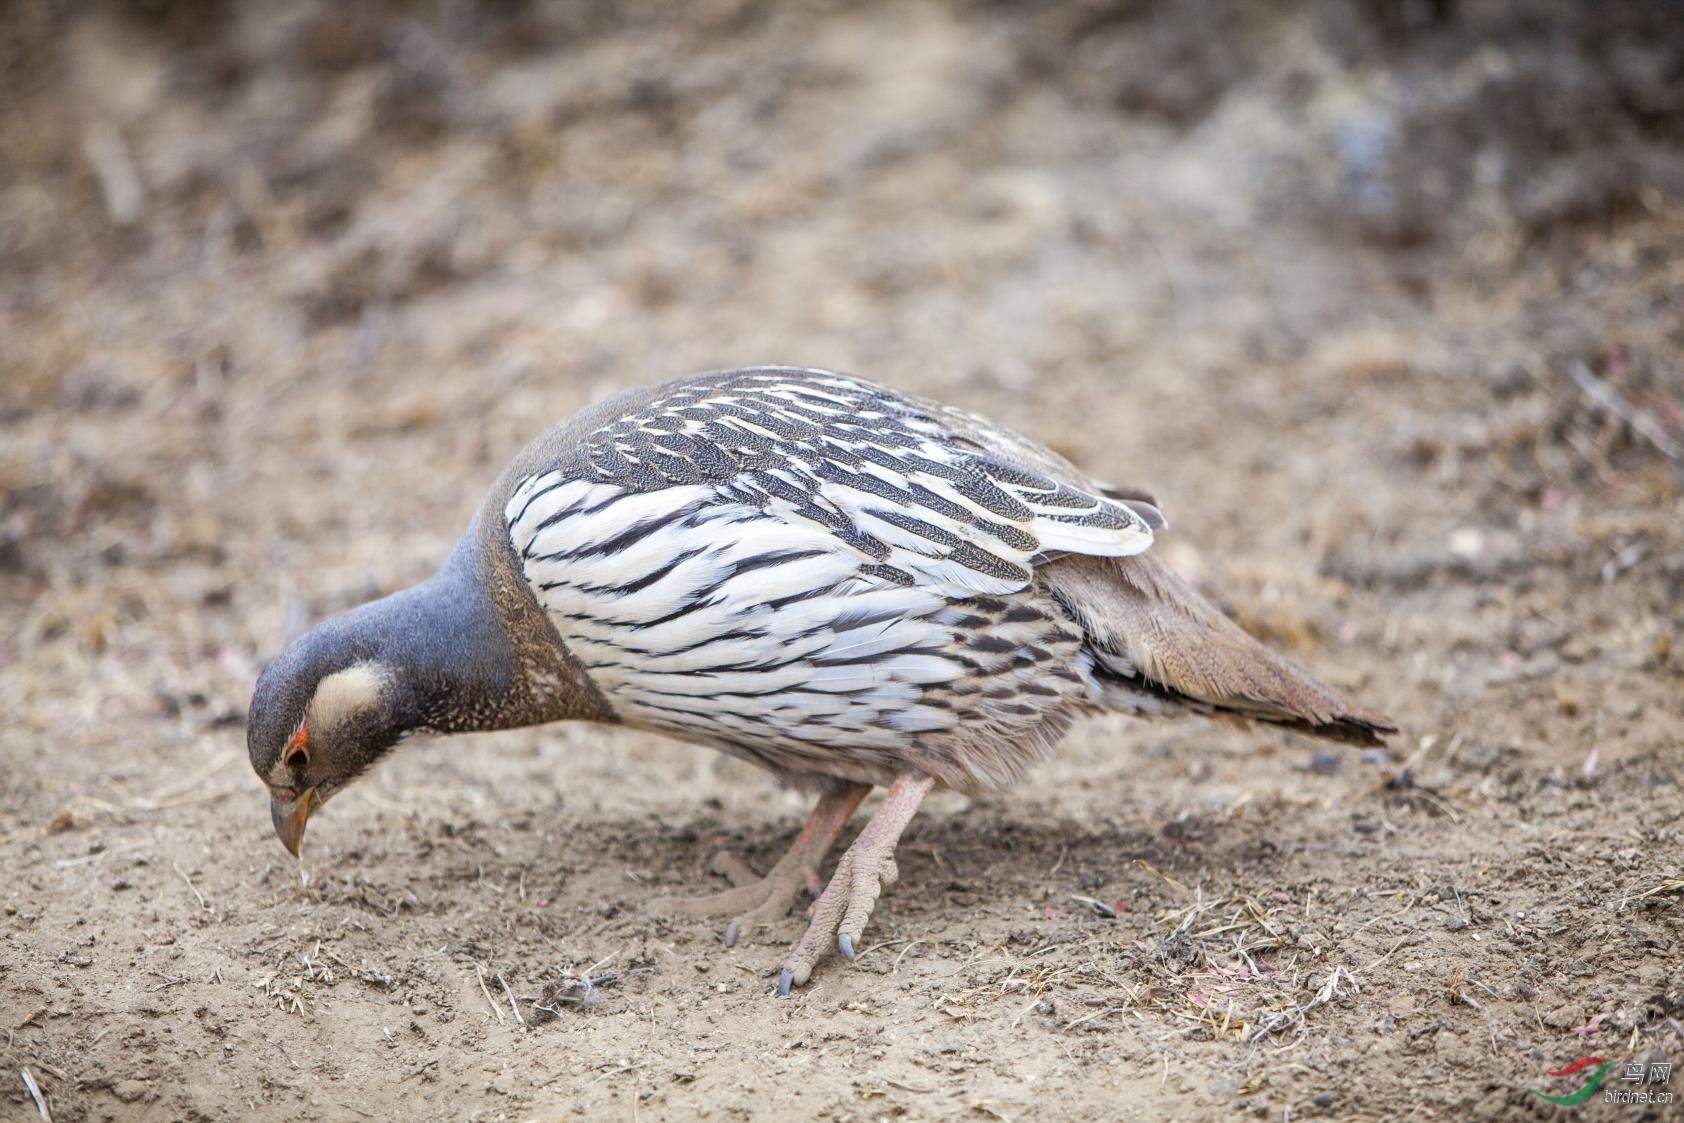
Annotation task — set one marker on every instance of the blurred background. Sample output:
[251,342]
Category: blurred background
[258,259]
[1384,301]
[283,285]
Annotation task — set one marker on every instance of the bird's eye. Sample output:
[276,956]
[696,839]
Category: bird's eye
[297,752]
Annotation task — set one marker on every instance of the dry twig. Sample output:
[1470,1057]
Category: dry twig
[202,902]
[35,1092]
[485,990]
[1295,1016]
[509,994]
[1642,422]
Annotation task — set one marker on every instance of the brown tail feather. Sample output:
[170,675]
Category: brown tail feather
[1150,629]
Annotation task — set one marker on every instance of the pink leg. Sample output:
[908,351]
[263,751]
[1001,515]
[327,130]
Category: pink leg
[765,900]
[864,871]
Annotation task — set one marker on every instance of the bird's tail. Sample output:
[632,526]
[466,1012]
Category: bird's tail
[1159,647]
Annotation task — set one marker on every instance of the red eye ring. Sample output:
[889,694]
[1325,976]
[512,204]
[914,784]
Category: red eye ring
[297,752]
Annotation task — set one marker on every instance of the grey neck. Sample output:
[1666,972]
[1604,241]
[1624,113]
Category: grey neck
[471,648]
[454,658]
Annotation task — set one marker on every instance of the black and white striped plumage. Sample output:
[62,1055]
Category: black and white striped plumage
[820,574]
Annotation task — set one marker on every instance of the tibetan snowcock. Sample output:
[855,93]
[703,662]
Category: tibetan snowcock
[847,585]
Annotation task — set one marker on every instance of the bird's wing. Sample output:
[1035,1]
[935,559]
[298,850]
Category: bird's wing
[922,494]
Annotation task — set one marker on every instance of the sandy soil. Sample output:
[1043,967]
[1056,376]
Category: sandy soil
[1384,307]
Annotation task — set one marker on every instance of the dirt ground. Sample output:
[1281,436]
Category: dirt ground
[1385,303]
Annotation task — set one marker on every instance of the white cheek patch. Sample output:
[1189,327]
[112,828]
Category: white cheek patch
[280,775]
[345,694]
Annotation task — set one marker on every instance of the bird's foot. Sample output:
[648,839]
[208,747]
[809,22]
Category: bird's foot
[752,901]
[841,911]
[800,875]
[760,901]
[865,870]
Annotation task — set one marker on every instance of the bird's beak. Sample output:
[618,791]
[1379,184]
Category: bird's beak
[290,817]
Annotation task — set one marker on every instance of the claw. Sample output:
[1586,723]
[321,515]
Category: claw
[845,945]
[785,981]
[732,931]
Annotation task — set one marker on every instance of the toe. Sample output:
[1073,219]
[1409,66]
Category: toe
[770,912]
[860,905]
[812,947]
[733,869]
[797,970]
[862,899]
[723,903]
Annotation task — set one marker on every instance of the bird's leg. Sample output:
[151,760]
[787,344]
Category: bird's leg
[864,871]
[759,901]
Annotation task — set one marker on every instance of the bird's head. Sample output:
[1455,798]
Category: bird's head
[322,713]
[433,658]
